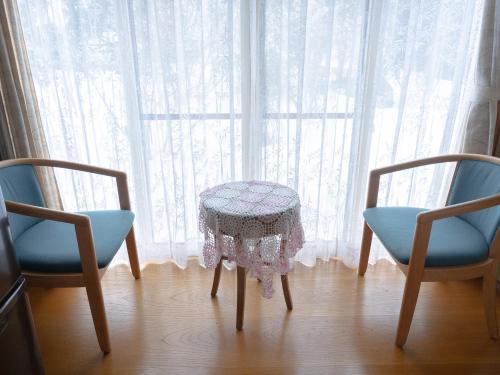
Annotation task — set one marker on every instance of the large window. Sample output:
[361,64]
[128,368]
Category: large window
[187,94]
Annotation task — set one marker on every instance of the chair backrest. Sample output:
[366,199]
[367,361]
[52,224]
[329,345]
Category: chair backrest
[476,179]
[20,184]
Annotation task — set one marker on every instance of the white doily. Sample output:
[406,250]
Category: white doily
[255,224]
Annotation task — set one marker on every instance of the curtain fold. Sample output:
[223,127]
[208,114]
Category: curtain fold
[21,128]
[184,95]
[481,132]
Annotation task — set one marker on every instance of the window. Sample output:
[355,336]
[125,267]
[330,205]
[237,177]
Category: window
[310,93]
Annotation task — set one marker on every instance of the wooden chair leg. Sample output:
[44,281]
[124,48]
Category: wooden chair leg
[410,297]
[96,302]
[286,292]
[413,280]
[366,243]
[240,297]
[93,283]
[132,254]
[215,285]
[489,296]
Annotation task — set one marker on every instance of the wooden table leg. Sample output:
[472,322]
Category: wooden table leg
[218,246]
[284,280]
[240,297]
[215,285]
[286,292]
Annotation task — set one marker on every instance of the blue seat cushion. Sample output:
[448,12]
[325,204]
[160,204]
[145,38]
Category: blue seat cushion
[453,242]
[51,246]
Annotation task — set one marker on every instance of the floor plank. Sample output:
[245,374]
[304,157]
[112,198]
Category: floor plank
[167,323]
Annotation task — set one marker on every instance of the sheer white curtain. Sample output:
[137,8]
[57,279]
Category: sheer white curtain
[149,87]
[351,85]
[187,94]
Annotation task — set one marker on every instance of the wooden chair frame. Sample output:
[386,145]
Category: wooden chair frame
[415,271]
[91,274]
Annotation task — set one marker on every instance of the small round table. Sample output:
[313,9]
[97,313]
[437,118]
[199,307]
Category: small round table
[255,224]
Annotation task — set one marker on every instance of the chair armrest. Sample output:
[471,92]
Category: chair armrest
[46,213]
[458,209]
[424,227]
[419,163]
[70,165]
[83,231]
[121,177]
[374,179]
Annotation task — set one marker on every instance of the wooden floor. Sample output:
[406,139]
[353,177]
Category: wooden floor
[167,323]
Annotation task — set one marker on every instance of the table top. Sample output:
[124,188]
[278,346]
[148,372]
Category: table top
[250,208]
[252,198]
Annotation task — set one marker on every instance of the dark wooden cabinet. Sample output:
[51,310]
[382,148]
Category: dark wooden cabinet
[19,352]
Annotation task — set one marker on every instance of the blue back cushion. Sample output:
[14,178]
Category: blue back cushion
[478,179]
[19,184]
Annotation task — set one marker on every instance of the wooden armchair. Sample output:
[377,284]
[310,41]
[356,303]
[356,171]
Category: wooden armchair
[63,249]
[458,242]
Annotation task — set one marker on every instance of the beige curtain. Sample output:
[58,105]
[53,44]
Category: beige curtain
[481,132]
[482,123]
[21,131]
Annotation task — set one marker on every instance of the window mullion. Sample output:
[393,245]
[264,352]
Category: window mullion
[251,13]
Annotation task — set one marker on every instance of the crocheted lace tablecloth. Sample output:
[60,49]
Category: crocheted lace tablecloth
[255,224]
